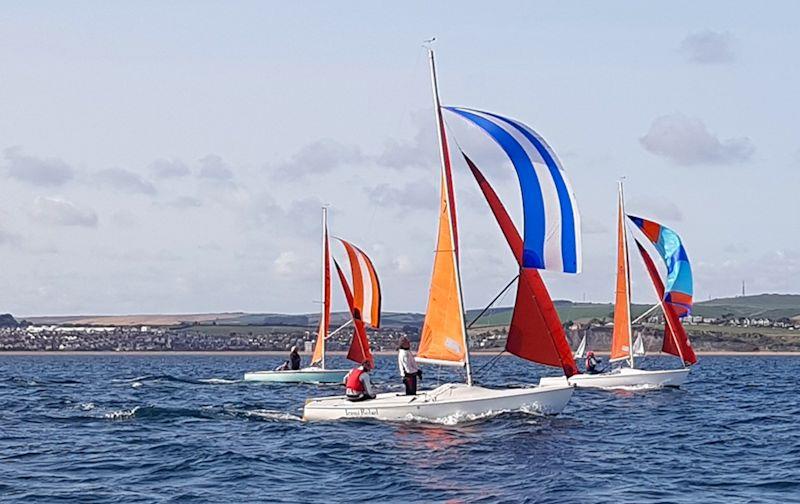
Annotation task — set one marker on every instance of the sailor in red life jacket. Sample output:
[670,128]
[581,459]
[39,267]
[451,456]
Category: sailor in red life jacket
[591,363]
[357,383]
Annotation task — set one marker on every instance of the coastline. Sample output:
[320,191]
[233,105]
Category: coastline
[275,353]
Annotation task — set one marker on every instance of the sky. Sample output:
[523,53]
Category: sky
[173,157]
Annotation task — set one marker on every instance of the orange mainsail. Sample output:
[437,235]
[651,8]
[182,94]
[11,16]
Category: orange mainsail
[443,335]
[325,314]
[621,341]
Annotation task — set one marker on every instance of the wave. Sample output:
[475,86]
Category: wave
[466,418]
[35,382]
[176,379]
[207,412]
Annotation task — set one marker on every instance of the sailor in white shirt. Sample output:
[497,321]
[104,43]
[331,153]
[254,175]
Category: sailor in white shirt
[408,367]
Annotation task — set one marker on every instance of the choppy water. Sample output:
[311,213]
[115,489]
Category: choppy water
[186,429]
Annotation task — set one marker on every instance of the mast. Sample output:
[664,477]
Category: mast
[444,157]
[624,237]
[324,277]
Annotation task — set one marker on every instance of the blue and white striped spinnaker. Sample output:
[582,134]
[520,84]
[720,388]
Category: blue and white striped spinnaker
[552,229]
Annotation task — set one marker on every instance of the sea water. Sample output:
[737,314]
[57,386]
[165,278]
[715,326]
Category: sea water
[180,428]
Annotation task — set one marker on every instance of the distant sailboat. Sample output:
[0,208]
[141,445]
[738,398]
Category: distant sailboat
[676,300]
[638,346]
[536,333]
[364,304]
[580,352]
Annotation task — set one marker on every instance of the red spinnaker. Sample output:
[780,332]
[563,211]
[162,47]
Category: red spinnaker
[676,342]
[536,333]
[359,347]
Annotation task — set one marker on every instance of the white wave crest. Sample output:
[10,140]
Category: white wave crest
[121,414]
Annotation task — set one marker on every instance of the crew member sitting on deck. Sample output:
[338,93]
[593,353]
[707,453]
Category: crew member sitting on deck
[592,363]
[294,359]
[357,383]
[408,366]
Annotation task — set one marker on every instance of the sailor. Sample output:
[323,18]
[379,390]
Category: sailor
[358,387]
[294,359]
[591,363]
[407,365]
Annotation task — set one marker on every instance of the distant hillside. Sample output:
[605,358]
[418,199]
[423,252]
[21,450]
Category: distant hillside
[772,306]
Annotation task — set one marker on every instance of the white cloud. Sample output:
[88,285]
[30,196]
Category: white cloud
[214,167]
[709,47]
[164,168]
[686,141]
[422,151]
[125,181]
[185,202]
[321,156]
[285,262]
[37,171]
[656,209]
[416,194]
[61,212]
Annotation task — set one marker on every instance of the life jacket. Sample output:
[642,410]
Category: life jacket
[590,361]
[354,381]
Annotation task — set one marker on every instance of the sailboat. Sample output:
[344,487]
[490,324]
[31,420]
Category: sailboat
[536,333]
[674,301]
[580,352]
[638,346]
[364,305]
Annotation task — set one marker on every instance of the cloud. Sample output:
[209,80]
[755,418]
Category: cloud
[686,141]
[125,181]
[62,212]
[657,209]
[709,47]
[163,168]
[321,156]
[185,202]
[420,152]
[417,194]
[9,238]
[213,167]
[48,172]
[285,262]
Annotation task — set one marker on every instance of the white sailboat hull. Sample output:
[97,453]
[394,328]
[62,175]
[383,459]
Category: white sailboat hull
[307,375]
[449,403]
[625,378]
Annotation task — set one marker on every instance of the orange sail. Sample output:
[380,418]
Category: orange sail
[366,287]
[359,347]
[621,341]
[325,314]
[443,338]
